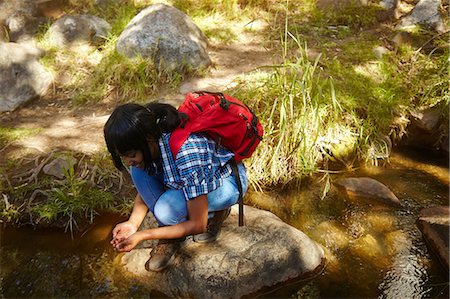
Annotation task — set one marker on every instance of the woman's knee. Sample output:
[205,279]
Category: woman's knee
[170,211]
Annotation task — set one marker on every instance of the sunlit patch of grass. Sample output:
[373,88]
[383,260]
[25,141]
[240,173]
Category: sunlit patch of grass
[425,76]
[303,119]
[128,78]
[353,14]
[9,213]
[8,135]
[212,27]
[89,74]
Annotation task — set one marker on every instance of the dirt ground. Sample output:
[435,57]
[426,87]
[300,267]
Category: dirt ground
[65,127]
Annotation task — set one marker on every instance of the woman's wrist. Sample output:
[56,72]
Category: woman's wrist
[134,223]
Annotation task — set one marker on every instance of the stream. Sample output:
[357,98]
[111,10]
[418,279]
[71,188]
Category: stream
[372,251]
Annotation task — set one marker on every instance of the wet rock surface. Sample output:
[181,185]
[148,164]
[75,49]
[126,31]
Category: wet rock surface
[434,223]
[368,189]
[244,260]
[429,128]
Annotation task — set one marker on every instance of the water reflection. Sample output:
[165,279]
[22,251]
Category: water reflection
[372,251]
[50,263]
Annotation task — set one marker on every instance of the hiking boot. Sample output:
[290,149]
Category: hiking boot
[214,227]
[163,254]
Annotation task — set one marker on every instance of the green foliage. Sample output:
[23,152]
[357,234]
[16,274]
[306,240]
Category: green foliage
[8,135]
[82,194]
[129,78]
[9,213]
[74,198]
[302,117]
[353,15]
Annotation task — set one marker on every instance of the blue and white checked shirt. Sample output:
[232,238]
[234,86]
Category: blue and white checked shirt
[199,168]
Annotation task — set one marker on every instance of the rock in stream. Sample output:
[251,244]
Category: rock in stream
[367,189]
[263,253]
[434,223]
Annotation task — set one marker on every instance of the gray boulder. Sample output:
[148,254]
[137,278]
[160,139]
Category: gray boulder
[23,26]
[73,30]
[168,36]
[244,260]
[22,77]
[434,223]
[20,19]
[367,189]
[425,13]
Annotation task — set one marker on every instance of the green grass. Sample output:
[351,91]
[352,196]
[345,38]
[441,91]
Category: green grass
[8,135]
[318,113]
[90,186]
[90,75]
[340,107]
[303,119]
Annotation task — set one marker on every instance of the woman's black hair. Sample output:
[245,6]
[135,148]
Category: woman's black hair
[130,126]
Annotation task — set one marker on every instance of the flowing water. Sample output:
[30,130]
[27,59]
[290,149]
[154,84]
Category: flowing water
[372,251]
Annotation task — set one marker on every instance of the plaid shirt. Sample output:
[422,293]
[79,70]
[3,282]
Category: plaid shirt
[199,168]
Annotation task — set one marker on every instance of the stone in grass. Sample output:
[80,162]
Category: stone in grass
[434,223]
[75,30]
[244,260]
[59,166]
[367,189]
[166,35]
[22,77]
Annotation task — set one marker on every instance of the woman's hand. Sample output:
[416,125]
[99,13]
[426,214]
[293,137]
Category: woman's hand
[129,243]
[122,231]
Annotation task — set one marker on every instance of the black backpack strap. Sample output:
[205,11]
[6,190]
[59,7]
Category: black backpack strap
[239,185]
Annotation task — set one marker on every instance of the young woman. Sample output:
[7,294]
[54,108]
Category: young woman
[190,194]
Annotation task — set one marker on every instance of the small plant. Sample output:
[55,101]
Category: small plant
[84,192]
[9,213]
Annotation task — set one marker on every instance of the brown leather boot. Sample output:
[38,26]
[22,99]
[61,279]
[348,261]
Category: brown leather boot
[162,255]
[214,227]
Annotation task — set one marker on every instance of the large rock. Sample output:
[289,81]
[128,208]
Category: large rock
[21,19]
[168,36]
[425,13]
[434,223]
[22,77]
[244,260]
[367,189]
[23,26]
[73,30]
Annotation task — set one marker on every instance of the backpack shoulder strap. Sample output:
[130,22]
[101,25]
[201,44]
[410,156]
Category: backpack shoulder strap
[234,167]
[176,140]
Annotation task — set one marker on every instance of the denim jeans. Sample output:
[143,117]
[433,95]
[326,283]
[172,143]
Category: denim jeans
[169,205]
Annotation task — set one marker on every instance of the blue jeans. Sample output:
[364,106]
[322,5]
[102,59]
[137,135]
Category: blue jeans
[169,205]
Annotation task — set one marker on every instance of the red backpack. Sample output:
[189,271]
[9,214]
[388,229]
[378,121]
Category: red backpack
[225,119]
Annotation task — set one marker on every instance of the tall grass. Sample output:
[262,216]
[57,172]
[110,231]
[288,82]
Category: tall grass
[303,119]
